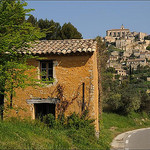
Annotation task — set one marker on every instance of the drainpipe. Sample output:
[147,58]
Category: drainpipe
[83,95]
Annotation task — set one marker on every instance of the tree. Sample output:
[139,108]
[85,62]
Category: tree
[15,34]
[55,33]
[148,47]
[145,101]
[32,20]
[147,37]
[102,58]
[68,31]
[52,29]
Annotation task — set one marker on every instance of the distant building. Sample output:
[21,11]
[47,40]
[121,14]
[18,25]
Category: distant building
[143,55]
[115,53]
[122,43]
[141,35]
[136,53]
[136,62]
[118,33]
[123,38]
[148,78]
[121,72]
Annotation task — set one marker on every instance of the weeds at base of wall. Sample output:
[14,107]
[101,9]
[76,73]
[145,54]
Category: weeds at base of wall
[74,121]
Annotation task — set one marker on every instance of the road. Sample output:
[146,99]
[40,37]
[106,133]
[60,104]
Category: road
[138,140]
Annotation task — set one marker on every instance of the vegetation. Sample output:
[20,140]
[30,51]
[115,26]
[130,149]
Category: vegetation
[18,134]
[15,34]
[112,48]
[130,94]
[74,133]
[54,31]
[102,57]
[148,47]
[147,37]
[114,124]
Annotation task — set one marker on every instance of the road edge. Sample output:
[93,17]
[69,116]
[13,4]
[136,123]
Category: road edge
[119,141]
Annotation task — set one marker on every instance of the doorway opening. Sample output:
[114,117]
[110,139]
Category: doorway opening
[43,109]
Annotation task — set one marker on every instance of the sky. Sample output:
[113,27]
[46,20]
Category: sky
[93,18]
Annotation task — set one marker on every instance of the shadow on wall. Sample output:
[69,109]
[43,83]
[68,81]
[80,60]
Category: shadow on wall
[74,60]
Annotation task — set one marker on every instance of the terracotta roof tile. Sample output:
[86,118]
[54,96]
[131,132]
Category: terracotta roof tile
[63,46]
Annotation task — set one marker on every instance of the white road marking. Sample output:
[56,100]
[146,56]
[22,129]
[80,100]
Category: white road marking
[129,136]
[127,141]
[126,148]
[134,132]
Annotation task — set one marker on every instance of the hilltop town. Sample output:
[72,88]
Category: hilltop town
[127,50]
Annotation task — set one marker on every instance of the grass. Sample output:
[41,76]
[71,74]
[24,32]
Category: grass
[24,134]
[114,124]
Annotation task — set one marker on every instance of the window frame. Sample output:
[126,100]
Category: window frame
[48,75]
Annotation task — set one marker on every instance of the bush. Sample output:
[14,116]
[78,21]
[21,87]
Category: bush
[148,47]
[130,100]
[49,120]
[124,100]
[145,101]
[75,121]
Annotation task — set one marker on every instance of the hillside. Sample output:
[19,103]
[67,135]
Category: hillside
[15,134]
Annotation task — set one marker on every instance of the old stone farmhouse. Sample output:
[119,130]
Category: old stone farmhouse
[73,66]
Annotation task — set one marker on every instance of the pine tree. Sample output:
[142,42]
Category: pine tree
[32,20]
[70,32]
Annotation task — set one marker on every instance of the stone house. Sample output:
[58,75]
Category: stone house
[123,43]
[147,55]
[115,53]
[126,55]
[148,78]
[143,55]
[136,62]
[73,66]
[113,58]
[113,64]
[121,72]
[136,53]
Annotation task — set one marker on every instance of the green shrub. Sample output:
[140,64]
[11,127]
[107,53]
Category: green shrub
[148,47]
[75,121]
[49,120]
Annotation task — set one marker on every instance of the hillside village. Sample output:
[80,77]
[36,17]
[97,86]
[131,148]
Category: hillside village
[127,50]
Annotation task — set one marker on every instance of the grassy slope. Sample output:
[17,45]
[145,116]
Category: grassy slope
[114,124]
[33,135]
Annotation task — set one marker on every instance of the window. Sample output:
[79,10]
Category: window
[46,70]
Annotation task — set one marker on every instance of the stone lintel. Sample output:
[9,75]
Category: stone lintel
[43,100]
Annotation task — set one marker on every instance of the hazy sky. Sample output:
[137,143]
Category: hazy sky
[93,18]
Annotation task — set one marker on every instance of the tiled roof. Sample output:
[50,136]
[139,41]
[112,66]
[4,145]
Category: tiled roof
[63,46]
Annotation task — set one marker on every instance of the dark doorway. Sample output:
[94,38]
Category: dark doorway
[43,109]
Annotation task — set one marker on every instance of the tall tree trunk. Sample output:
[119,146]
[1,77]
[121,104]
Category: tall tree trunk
[1,103]
[99,85]
[101,65]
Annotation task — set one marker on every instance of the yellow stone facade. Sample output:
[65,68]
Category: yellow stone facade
[70,72]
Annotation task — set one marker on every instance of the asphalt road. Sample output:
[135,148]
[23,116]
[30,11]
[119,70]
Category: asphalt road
[138,140]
